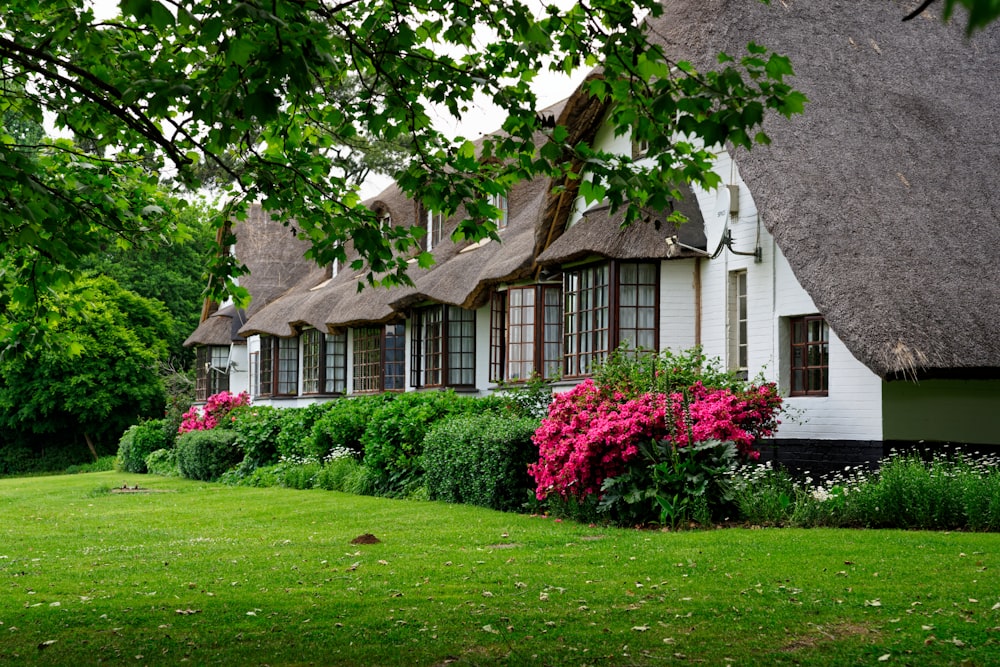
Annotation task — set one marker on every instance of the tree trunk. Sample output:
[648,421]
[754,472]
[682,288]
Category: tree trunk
[90,445]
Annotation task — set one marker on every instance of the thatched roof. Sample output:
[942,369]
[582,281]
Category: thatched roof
[599,232]
[274,257]
[883,196]
[463,272]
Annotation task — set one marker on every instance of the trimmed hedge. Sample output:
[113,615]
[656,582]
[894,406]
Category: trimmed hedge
[139,441]
[481,460]
[394,439]
[205,455]
[163,462]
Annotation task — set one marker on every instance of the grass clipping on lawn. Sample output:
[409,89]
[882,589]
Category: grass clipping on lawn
[217,575]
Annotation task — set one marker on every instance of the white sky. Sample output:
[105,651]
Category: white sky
[483,116]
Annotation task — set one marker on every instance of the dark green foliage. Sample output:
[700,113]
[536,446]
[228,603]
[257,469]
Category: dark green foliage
[140,440]
[344,423]
[103,381]
[257,428]
[296,427]
[103,464]
[668,372]
[163,462]
[205,455]
[171,272]
[481,460]
[394,439]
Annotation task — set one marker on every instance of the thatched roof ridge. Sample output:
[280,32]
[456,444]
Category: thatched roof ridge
[883,196]
[599,232]
[274,257]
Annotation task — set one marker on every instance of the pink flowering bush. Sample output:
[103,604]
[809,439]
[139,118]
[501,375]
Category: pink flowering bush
[216,409]
[592,435]
[642,453]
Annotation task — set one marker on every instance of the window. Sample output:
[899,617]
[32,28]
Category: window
[500,202]
[212,371]
[278,366]
[434,226]
[606,305]
[810,356]
[435,229]
[637,296]
[443,351]
[585,294]
[526,332]
[324,362]
[738,351]
[379,359]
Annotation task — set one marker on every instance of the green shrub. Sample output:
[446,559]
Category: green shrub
[480,460]
[344,424]
[205,455]
[295,429]
[339,468]
[394,438]
[103,464]
[763,495]
[633,373]
[163,462]
[257,428]
[139,441]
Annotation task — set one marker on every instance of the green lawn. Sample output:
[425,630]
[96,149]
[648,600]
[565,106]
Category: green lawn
[216,575]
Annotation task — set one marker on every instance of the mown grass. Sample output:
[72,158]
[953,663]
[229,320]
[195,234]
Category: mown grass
[210,574]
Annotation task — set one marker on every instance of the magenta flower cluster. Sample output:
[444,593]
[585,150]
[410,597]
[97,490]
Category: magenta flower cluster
[591,435]
[216,408]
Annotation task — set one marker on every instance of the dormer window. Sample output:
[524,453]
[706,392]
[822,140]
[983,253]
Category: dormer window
[434,224]
[500,202]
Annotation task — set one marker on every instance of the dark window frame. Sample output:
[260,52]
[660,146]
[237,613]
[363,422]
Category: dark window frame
[208,379]
[546,353]
[589,341]
[273,378]
[809,356]
[320,363]
[432,357]
[383,359]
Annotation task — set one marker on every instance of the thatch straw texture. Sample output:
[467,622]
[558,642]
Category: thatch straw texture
[883,196]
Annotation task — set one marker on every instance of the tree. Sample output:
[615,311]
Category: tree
[85,394]
[169,86]
[169,272]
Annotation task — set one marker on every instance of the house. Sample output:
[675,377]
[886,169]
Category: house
[851,261]
[274,260]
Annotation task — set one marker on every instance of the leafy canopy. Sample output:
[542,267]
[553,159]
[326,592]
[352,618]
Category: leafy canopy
[104,379]
[251,88]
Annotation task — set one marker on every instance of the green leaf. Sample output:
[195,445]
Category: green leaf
[160,16]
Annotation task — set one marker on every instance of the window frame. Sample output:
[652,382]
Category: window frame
[385,350]
[544,363]
[208,380]
[278,366]
[803,343]
[601,338]
[739,324]
[324,370]
[432,347]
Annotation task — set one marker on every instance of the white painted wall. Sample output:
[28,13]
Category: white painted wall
[853,408]
[677,305]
